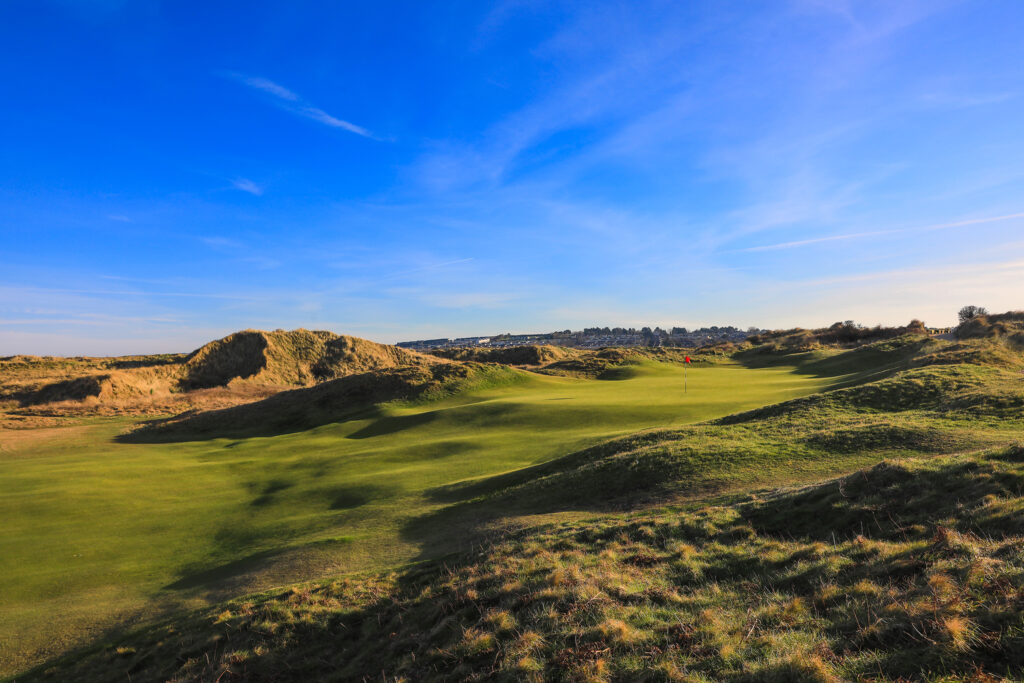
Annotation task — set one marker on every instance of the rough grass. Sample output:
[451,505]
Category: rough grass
[531,355]
[1007,326]
[331,401]
[99,531]
[31,380]
[608,363]
[839,334]
[910,570]
[237,369]
[932,409]
[297,357]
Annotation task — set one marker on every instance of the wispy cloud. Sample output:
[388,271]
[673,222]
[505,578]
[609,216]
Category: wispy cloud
[246,185]
[221,242]
[947,271]
[291,101]
[434,266]
[816,240]
[267,86]
[963,100]
[875,233]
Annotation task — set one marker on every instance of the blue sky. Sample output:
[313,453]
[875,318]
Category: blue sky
[172,172]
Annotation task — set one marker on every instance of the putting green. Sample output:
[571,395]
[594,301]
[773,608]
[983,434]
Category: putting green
[97,532]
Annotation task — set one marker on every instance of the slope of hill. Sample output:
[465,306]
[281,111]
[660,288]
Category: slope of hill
[100,530]
[930,407]
[297,357]
[33,380]
[331,401]
[908,570]
[700,550]
[1008,326]
[41,391]
[533,354]
[240,368]
[845,334]
[607,363]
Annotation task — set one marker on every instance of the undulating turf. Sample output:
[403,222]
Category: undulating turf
[98,532]
[907,571]
[528,486]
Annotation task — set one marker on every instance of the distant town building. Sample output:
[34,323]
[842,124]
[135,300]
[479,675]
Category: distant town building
[594,338]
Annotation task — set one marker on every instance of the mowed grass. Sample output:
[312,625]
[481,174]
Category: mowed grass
[911,570]
[99,533]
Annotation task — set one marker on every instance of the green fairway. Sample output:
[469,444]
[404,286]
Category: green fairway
[98,531]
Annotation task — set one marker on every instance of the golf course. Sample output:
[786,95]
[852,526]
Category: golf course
[141,524]
[512,342]
[98,531]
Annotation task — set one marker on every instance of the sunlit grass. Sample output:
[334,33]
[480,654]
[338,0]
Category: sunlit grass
[929,591]
[910,569]
[97,530]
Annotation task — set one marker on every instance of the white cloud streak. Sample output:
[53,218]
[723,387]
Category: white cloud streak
[875,233]
[269,86]
[328,120]
[292,102]
[246,185]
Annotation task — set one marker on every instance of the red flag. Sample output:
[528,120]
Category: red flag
[689,361]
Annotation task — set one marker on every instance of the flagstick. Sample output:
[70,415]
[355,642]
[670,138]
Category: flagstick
[684,378]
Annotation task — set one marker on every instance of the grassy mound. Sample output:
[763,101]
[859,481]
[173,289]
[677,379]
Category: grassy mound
[299,357]
[515,355]
[240,368]
[99,533]
[331,401]
[909,570]
[77,389]
[864,363]
[935,409]
[610,363]
[34,380]
[1008,326]
[840,334]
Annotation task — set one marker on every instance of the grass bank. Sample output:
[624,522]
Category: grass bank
[99,532]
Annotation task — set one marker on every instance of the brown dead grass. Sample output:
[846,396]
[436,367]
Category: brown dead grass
[43,391]
[17,441]
[530,355]
[297,358]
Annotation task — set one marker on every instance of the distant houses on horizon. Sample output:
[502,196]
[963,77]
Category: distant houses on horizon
[594,338]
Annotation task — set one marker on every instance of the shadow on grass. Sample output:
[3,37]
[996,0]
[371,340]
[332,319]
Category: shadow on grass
[266,495]
[247,573]
[391,424]
[149,361]
[467,491]
[166,645]
[210,578]
[351,496]
[340,400]
[360,629]
[851,367]
[273,416]
[479,509]
[890,500]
